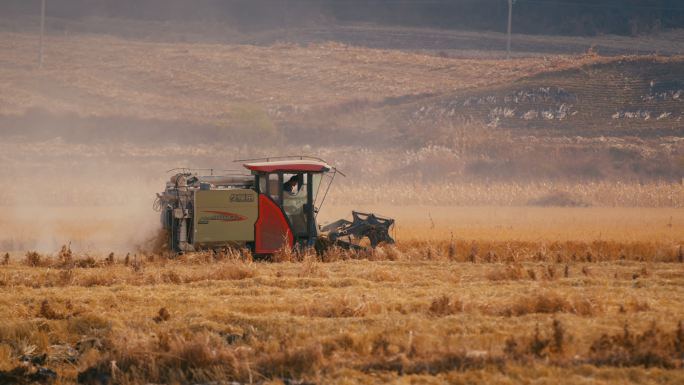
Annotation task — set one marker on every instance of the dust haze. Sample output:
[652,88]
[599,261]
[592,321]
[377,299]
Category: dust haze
[417,108]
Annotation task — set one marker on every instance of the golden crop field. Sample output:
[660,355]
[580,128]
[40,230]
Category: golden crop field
[517,295]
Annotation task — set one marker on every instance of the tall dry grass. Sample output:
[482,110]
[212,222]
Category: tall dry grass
[446,308]
[496,193]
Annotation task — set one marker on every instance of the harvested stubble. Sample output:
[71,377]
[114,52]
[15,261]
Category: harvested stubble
[366,317]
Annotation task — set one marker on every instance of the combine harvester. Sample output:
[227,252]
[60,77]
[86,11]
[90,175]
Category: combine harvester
[270,209]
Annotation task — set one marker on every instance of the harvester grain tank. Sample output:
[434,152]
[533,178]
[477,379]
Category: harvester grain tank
[271,208]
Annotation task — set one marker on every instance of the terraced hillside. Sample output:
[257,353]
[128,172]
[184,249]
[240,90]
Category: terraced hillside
[109,82]
[212,84]
[617,118]
[630,96]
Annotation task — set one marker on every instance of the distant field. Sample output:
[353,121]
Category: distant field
[102,229]
[531,224]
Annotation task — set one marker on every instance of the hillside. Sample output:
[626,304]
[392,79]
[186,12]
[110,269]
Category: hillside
[136,108]
[206,83]
[625,96]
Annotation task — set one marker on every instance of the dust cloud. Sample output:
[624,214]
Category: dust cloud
[92,191]
[93,212]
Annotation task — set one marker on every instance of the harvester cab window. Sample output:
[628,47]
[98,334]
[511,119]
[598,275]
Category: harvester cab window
[316,181]
[274,187]
[294,201]
[261,181]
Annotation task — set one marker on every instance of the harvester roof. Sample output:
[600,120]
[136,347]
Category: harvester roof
[299,165]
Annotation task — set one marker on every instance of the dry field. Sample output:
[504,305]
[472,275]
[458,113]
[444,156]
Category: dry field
[527,224]
[352,321]
[516,295]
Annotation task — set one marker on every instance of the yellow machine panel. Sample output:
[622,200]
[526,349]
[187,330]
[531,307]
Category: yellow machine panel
[224,216]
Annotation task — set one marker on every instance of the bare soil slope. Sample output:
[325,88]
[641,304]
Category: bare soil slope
[620,97]
[200,83]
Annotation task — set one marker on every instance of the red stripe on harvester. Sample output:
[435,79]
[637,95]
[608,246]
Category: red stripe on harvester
[271,229]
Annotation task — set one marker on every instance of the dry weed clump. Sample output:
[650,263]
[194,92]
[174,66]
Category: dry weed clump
[379,274]
[86,262]
[331,253]
[311,267]
[548,302]
[162,315]
[199,358]
[285,254]
[65,256]
[88,323]
[339,307]
[652,348]
[28,374]
[65,259]
[172,277]
[511,272]
[91,279]
[292,362]
[439,362]
[539,345]
[35,259]
[446,305]
[390,253]
[634,305]
[230,271]
[517,271]
[46,311]
[342,342]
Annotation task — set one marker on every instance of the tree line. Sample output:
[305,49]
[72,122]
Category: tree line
[563,17]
